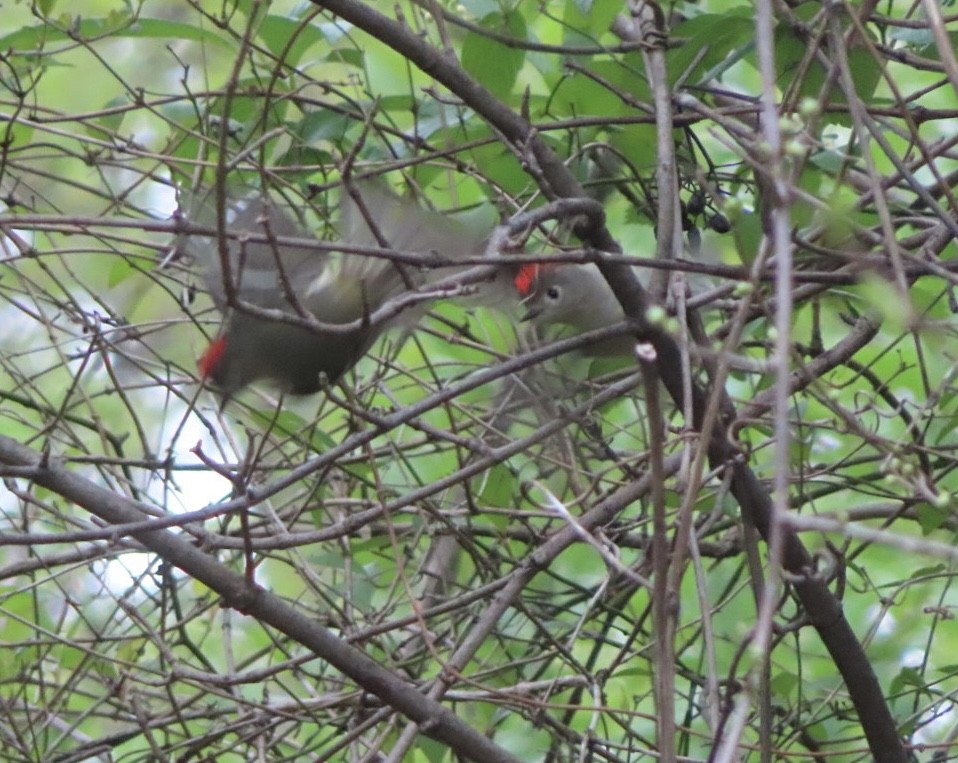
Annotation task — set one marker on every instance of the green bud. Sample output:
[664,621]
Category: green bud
[809,109]
[795,148]
[656,315]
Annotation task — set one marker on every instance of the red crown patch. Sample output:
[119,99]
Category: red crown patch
[525,279]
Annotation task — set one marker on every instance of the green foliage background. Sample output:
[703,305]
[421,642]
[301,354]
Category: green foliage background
[110,654]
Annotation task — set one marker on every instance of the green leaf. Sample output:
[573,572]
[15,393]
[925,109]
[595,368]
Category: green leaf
[172,30]
[112,122]
[299,155]
[435,752]
[290,38]
[747,234]
[608,88]
[637,671]
[636,143]
[907,677]
[585,19]
[921,572]
[791,48]
[256,111]
[495,65]
[327,560]
[783,684]
[917,37]
[496,486]
[32,38]
[930,518]
[831,160]
[120,270]
[322,124]
[500,166]
[710,44]
[348,56]
[18,134]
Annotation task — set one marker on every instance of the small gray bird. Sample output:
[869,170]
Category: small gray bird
[575,297]
[336,289]
[571,295]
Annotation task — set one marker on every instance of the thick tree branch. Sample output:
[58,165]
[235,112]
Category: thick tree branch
[434,720]
[822,607]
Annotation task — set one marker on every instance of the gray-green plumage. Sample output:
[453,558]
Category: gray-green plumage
[565,300]
[335,289]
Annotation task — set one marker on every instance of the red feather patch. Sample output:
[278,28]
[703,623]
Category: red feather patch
[525,279]
[211,359]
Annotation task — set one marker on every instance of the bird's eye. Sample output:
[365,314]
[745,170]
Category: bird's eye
[553,292]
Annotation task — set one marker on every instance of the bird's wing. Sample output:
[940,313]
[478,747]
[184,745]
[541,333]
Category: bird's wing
[262,271]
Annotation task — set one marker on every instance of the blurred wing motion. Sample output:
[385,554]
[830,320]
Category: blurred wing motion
[297,278]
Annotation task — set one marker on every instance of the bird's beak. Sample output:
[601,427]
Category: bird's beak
[530,314]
